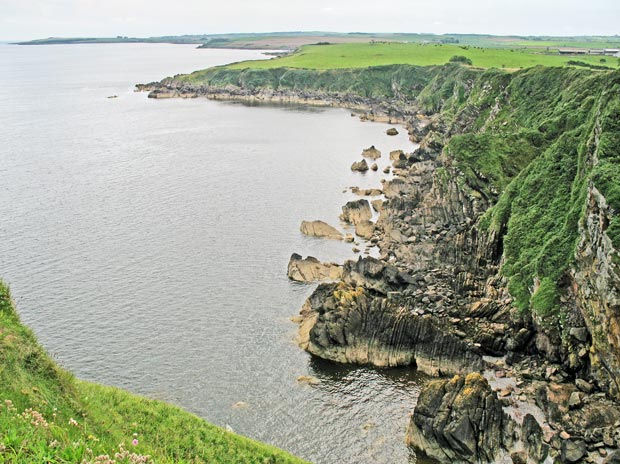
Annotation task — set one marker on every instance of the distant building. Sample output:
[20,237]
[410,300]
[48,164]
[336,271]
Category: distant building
[572,51]
[597,52]
[612,51]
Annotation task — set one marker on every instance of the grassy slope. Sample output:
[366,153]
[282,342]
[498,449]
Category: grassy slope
[361,55]
[32,384]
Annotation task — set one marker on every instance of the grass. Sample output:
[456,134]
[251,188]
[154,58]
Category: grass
[361,55]
[48,416]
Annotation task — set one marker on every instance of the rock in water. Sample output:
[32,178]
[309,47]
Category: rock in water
[361,166]
[357,211]
[371,153]
[320,229]
[312,270]
[391,131]
[365,229]
[374,167]
[460,420]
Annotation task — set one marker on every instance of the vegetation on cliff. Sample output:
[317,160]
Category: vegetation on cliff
[530,142]
[46,415]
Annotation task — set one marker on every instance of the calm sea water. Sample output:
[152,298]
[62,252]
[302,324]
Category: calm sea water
[146,243]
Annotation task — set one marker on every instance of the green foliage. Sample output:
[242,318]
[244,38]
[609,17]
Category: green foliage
[545,298]
[48,416]
[460,59]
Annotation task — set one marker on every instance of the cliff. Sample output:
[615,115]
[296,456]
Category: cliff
[499,236]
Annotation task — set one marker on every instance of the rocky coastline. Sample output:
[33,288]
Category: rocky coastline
[518,387]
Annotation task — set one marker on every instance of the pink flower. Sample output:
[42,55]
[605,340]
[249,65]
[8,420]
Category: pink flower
[134,442]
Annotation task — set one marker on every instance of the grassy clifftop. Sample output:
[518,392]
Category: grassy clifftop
[46,415]
[362,55]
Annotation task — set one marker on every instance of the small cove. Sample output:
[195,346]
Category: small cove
[146,243]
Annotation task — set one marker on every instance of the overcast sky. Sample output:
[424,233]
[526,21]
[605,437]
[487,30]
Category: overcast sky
[30,19]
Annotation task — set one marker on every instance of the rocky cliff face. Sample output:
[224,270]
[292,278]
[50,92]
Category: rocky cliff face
[596,285]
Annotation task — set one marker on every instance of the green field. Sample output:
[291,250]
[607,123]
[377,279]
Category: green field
[47,416]
[361,55]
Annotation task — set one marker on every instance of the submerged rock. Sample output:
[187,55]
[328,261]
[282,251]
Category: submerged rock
[460,420]
[312,270]
[371,152]
[320,229]
[357,211]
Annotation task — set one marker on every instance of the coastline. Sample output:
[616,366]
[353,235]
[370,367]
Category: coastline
[437,300]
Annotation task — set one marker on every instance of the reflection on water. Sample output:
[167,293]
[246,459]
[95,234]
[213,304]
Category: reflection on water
[146,243]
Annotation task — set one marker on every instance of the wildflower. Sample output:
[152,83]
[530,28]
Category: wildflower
[35,417]
[73,422]
[54,444]
[134,442]
[2,447]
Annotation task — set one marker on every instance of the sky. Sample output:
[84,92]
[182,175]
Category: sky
[32,19]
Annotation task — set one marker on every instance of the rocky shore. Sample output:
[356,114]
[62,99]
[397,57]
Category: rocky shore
[526,383]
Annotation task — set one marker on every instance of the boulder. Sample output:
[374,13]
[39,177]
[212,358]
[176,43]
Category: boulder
[460,420]
[320,229]
[371,153]
[374,167]
[357,211]
[360,166]
[312,270]
[365,229]
[391,131]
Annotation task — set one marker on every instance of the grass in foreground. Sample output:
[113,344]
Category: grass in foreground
[47,416]
[362,55]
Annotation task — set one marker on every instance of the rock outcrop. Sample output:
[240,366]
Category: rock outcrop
[461,421]
[311,269]
[320,229]
[357,211]
[347,323]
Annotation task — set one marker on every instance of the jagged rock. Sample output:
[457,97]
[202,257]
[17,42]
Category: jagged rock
[371,153]
[460,420]
[365,229]
[320,229]
[357,211]
[386,170]
[349,238]
[312,270]
[572,451]
[391,131]
[360,166]
[532,436]
[374,167]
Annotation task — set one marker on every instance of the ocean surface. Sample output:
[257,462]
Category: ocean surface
[146,243]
